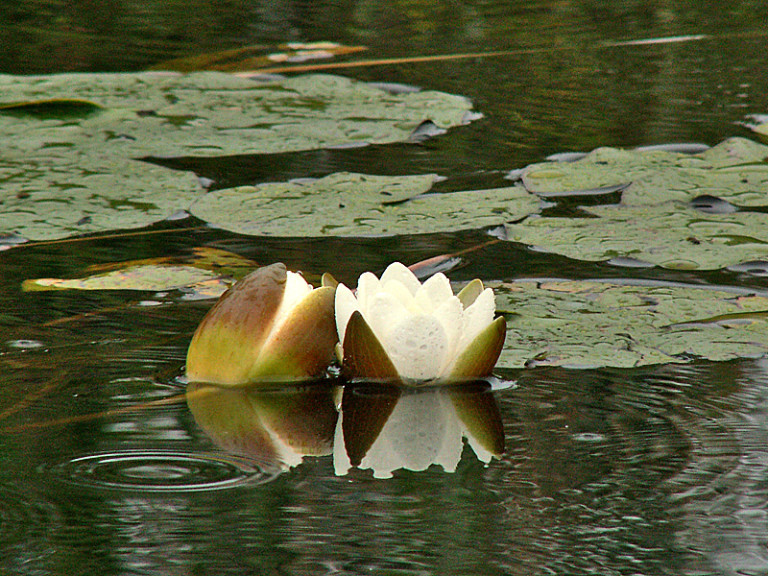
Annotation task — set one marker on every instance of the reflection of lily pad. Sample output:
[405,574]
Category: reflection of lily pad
[586,324]
[346,204]
[735,170]
[671,235]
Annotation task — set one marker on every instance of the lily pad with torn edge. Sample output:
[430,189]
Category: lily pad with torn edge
[585,324]
[348,204]
[735,170]
[671,235]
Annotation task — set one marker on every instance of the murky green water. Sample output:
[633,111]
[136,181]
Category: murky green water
[654,471]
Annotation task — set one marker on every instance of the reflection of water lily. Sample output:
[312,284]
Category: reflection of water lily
[386,428]
[274,427]
[397,327]
[271,325]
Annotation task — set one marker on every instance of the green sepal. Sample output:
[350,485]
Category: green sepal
[479,358]
[304,345]
[470,292]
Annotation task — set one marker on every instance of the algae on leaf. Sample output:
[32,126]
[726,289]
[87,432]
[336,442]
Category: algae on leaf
[735,170]
[594,324]
[346,204]
[671,235]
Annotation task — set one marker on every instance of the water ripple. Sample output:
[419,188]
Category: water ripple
[159,471]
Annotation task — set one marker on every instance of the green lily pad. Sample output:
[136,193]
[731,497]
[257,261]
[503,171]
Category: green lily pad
[68,142]
[671,235]
[207,273]
[56,194]
[592,324]
[215,114]
[735,170]
[148,277]
[347,204]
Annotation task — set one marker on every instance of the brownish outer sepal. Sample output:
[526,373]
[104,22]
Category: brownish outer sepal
[364,356]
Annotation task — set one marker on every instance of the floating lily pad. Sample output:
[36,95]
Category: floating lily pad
[735,170]
[592,324]
[68,142]
[671,235]
[214,114]
[149,277]
[346,204]
[207,273]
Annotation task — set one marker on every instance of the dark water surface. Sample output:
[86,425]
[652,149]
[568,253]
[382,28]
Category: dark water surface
[661,470]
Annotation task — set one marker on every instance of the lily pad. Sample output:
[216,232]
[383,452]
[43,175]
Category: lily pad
[55,194]
[68,142]
[671,235]
[215,114]
[735,170]
[592,324]
[207,274]
[348,204]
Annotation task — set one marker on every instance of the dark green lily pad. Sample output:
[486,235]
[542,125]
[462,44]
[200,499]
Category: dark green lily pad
[346,204]
[592,324]
[671,235]
[735,170]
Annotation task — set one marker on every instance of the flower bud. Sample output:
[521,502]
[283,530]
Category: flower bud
[270,326]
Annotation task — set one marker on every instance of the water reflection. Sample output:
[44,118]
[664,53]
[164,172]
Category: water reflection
[276,427]
[386,428]
[381,427]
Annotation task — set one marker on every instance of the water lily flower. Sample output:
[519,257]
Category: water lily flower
[271,325]
[398,328]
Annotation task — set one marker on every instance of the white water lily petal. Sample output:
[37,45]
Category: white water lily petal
[367,286]
[477,317]
[401,293]
[386,312]
[346,304]
[400,273]
[417,347]
[436,290]
[450,315]
[296,289]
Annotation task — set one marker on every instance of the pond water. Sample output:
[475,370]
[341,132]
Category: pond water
[656,470]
